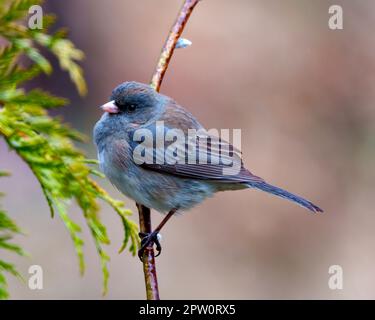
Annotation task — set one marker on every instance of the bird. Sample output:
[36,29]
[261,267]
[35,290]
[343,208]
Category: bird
[136,111]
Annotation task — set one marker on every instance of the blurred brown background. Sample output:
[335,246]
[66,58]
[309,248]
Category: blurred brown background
[302,95]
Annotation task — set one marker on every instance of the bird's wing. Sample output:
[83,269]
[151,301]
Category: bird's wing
[201,156]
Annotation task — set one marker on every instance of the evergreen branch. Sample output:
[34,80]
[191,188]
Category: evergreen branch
[44,143]
[24,38]
[16,10]
[8,229]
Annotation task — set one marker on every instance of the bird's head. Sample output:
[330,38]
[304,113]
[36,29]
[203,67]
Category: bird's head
[133,102]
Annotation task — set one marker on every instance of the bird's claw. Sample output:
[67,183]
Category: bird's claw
[148,239]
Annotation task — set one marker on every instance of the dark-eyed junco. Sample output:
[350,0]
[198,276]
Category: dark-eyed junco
[133,114]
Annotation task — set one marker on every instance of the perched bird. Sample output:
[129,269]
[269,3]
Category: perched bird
[168,185]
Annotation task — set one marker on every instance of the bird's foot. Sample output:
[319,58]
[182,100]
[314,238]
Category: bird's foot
[149,239]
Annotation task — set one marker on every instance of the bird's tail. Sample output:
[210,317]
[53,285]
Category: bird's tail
[264,186]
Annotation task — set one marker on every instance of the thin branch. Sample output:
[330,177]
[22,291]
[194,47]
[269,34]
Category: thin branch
[149,267]
[148,259]
[170,43]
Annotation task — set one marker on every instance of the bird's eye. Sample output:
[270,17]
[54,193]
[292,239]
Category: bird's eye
[128,108]
[131,108]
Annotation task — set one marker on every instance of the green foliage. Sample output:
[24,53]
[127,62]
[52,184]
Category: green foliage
[7,229]
[44,142]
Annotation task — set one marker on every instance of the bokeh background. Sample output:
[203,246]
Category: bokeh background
[303,96]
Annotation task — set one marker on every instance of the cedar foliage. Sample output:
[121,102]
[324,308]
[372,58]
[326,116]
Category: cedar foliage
[44,142]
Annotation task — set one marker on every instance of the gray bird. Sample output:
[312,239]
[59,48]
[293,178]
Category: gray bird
[166,186]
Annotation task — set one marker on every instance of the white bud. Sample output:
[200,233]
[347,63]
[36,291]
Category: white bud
[183,43]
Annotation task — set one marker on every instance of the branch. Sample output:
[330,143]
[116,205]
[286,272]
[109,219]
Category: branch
[149,267]
[170,43]
[148,259]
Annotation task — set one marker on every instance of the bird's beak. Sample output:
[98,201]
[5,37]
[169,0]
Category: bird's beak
[110,107]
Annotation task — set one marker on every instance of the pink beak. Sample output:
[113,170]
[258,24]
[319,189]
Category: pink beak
[110,107]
